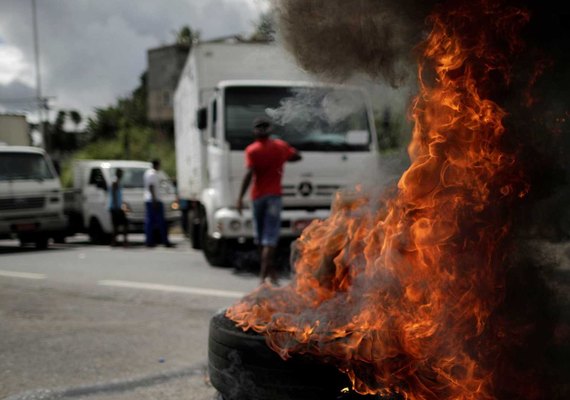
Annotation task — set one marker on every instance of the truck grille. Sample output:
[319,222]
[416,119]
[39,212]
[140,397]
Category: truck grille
[22,203]
[309,190]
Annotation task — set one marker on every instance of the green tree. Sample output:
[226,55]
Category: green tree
[60,139]
[105,123]
[264,28]
[122,131]
[186,36]
[127,112]
[76,118]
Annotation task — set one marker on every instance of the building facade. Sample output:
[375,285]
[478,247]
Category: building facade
[164,67]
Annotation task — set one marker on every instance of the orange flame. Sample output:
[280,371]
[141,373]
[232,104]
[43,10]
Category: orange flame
[400,297]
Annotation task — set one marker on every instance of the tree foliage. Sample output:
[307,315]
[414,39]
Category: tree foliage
[60,138]
[122,131]
[264,28]
[186,36]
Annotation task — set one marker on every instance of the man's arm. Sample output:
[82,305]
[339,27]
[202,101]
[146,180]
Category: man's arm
[244,185]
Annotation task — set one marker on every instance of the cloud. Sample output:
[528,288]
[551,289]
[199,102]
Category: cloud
[13,66]
[92,52]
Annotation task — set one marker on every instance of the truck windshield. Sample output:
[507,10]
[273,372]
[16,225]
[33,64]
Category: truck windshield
[308,118]
[24,166]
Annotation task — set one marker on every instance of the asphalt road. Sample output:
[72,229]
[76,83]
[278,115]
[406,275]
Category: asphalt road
[81,321]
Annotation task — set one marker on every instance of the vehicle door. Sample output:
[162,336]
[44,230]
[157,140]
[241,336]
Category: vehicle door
[95,199]
[218,172]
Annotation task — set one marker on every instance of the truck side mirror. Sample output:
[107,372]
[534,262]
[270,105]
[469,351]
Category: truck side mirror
[202,118]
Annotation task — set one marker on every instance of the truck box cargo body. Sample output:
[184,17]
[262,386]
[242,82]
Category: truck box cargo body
[14,130]
[87,205]
[222,89]
[31,197]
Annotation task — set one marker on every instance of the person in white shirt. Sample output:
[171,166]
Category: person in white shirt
[154,208]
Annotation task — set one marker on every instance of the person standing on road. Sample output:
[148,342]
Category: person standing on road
[154,208]
[264,160]
[118,216]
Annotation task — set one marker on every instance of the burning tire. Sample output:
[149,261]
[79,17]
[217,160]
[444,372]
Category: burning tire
[242,366]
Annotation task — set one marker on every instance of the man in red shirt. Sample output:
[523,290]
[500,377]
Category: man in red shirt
[264,160]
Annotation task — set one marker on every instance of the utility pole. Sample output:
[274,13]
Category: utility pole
[40,100]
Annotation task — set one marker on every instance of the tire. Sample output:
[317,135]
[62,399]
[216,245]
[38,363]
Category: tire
[96,233]
[41,242]
[216,251]
[60,239]
[241,366]
[194,232]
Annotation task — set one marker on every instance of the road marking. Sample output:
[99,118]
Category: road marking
[24,275]
[172,288]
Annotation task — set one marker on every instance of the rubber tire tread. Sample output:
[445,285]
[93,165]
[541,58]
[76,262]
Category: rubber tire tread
[243,367]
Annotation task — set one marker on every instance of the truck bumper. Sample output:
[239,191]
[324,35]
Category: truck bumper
[32,225]
[229,224]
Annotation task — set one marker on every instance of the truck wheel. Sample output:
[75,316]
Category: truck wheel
[215,250]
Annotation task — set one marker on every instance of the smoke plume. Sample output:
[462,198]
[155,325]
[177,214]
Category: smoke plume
[337,39]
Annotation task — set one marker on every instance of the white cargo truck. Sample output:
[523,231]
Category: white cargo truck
[222,88]
[31,199]
[87,204]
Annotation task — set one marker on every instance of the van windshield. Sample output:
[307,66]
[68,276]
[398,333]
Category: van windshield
[24,166]
[132,177]
[308,118]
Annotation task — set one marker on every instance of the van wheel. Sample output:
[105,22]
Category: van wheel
[194,232]
[96,234]
[59,239]
[215,250]
[41,243]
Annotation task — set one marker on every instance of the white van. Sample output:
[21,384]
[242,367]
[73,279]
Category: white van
[31,200]
[89,205]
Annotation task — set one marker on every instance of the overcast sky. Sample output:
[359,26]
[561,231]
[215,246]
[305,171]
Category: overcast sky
[94,51]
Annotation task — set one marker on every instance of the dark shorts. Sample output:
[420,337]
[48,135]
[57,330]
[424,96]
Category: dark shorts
[267,220]
[118,217]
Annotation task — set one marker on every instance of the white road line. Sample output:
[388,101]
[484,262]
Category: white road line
[24,275]
[172,288]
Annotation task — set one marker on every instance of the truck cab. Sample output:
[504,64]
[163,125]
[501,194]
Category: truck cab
[31,199]
[331,126]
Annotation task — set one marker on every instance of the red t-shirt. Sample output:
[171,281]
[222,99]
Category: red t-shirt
[266,158]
